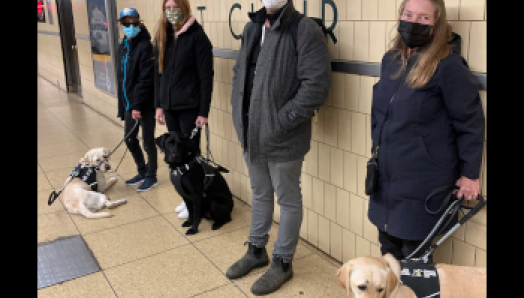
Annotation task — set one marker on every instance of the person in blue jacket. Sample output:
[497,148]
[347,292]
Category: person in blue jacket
[427,128]
[136,96]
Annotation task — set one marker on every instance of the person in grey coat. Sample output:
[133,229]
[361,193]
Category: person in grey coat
[277,86]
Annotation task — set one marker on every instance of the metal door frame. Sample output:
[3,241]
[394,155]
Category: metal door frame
[69,48]
[113,37]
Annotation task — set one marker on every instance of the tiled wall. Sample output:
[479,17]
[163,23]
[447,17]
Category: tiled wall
[335,206]
[49,54]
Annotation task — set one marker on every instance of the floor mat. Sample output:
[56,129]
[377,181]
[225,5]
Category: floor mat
[64,259]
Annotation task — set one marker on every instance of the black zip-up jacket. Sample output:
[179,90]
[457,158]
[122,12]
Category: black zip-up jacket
[187,78]
[138,75]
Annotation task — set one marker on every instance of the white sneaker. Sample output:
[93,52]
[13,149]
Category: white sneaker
[184,214]
[181,207]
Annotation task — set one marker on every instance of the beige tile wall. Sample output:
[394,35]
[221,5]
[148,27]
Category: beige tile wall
[49,56]
[335,206]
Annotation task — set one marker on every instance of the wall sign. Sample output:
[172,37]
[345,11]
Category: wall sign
[100,45]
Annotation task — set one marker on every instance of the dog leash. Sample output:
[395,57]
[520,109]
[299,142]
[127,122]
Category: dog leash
[54,195]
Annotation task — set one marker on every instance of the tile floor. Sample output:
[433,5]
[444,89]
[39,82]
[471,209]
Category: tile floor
[143,250]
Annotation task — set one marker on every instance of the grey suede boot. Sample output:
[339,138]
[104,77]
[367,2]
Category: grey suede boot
[254,258]
[274,278]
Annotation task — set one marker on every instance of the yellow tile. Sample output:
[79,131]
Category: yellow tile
[366,92]
[337,167]
[342,197]
[93,285]
[354,9]
[361,176]
[312,227]
[387,10]
[133,241]
[452,9]
[463,253]
[350,172]
[135,209]
[318,196]
[312,165]
[352,91]
[472,10]
[358,133]
[476,234]
[377,41]
[43,183]
[347,33]
[163,198]
[361,52]
[348,245]
[370,10]
[317,127]
[240,218]
[369,140]
[344,129]
[324,162]
[337,87]
[336,241]
[228,291]
[324,234]
[306,189]
[477,47]
[480,258]
[444,251]
[375,250]
[154,276]
[53,225]
[462,28]
[363,247]
[356,214]
[334,49]
[316,278]
[43,207]
[330,202]
[304,224]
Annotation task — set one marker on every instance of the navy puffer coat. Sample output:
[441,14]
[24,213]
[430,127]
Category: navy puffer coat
[431,137]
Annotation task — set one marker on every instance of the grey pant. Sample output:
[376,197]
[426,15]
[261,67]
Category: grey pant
[282,178]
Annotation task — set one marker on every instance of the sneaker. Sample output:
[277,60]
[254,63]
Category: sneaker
[254,258]
[149,183]
[274,278]
[181,207]
[183,214]
[136,180]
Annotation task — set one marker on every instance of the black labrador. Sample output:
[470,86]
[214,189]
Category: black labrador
[185,163]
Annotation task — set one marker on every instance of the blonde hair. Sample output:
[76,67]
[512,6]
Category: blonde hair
[430,54]
[159,42]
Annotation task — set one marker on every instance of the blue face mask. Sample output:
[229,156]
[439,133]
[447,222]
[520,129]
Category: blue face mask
[131,31]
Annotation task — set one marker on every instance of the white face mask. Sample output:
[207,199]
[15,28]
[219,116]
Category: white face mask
[274,4]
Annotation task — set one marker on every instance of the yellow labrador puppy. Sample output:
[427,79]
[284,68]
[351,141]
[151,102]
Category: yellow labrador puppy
[372,277]
[366,276]
[79,198]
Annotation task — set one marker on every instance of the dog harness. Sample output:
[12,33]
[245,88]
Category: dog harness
[87,174]
[177,173]
[421,277]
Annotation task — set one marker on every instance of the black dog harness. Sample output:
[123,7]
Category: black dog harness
[421,277]
[177,173]
[87,174]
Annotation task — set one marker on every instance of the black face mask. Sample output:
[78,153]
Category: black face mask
[414,35]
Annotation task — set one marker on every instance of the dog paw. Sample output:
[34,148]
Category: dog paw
[191,231]
[186,224]
[217,225]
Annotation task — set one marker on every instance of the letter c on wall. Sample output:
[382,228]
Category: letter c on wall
[236,5]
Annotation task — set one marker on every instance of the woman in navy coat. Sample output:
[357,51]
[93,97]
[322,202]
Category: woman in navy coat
[427,127]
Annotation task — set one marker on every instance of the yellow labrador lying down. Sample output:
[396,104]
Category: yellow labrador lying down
[79,198]
[378,277]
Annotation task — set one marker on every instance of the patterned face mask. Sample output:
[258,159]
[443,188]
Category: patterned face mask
[174,15]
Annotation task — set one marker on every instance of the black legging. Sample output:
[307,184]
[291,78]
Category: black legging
[147,122]
[400,248]
[182,121]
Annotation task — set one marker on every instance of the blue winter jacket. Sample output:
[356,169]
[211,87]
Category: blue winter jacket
[431,137]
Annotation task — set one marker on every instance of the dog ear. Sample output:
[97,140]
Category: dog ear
[344,273]
[393,274]
[86,159]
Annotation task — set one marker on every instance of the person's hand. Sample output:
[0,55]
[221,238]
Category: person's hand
[159,116]
[201,121]
[468,188]
[135,114]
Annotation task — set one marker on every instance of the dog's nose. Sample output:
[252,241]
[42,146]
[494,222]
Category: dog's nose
[108,167]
